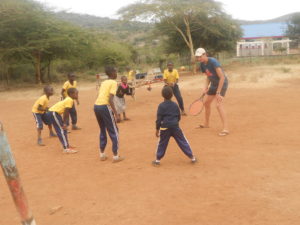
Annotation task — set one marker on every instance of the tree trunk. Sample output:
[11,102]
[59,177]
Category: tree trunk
[43,75]
[37,65]
[7,76]
[191,44]
[48,72]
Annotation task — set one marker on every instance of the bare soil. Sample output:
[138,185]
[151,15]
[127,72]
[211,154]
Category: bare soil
[251,176]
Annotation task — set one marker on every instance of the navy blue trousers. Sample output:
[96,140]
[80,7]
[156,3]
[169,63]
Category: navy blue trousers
[179,137]
[106,121]
[178,96]
[73,115]
[57,123]
[41,118]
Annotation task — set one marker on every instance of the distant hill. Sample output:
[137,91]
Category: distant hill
[132,32]
[136,33]
[282,19]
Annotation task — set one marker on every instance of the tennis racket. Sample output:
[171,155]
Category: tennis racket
[197,106]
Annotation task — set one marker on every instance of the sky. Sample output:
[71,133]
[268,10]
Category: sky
[238,9]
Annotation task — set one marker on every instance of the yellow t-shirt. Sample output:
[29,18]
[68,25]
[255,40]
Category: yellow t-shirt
[67,85]
[130,75]
[62,105]
[107,87]
[43,101]
[171,77]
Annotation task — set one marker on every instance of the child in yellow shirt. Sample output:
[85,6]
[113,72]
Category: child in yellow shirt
[59,114]
[71,83]
[105,112]
[39,110]
[171,77]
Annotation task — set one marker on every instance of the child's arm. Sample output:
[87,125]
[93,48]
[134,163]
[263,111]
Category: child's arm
[62,93]
[177,77]
[65,118]
[112,105]
[128,91]
[40,108]
[119,90]
[159,117]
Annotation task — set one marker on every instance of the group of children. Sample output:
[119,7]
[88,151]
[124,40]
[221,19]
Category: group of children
[57,115]
[110,104]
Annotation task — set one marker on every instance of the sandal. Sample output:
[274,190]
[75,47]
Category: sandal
[224,133]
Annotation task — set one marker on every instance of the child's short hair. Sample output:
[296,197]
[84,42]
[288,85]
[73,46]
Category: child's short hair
[71,74]
[170,63]
[71,91]
[123,77]
[47,88]
[167,92]
[109,70]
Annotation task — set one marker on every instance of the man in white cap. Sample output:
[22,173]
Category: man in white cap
[215,87]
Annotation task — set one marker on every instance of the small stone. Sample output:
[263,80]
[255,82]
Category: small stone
[55,209]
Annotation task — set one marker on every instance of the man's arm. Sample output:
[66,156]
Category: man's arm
[205,87]
[221,83]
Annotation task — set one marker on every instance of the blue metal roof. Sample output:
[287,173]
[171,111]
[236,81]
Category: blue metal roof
[264,30]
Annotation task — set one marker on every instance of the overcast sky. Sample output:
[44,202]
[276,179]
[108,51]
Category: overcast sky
[238,9]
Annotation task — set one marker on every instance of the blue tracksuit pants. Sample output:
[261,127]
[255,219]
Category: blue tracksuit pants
[178,96]
[57,123]
[179,137]
[73,115]
[106,121]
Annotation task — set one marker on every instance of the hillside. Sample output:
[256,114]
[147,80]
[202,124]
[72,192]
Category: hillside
[114,25]
[282,19]
[105,23]
[134,32]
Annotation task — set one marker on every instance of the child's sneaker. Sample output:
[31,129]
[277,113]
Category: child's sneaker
[193,160]
[74,127]
[156,163]
[117,159]
[40,142]
[69,151]
[52,134]
[103,157]
[183,113]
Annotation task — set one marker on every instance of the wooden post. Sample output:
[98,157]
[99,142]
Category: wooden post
[12,177]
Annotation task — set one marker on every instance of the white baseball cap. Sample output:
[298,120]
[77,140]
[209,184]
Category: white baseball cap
[200,51]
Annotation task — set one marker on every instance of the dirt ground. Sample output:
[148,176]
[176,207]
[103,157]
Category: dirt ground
[251,176]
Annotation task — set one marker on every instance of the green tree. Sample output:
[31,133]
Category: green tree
[186,21]
[30,33]
[218,34]
[293,30]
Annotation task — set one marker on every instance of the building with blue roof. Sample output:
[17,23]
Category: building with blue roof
[265,30]
[263,39]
